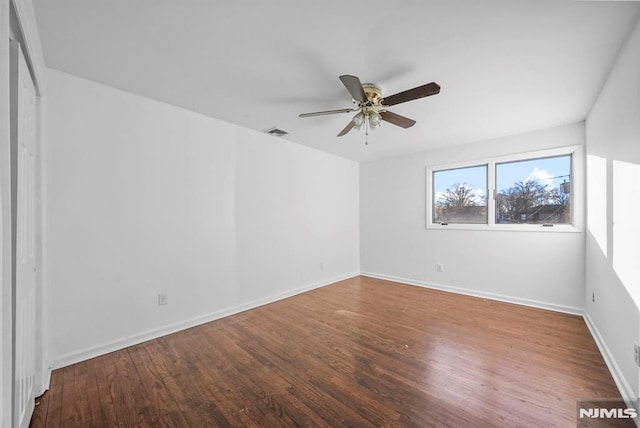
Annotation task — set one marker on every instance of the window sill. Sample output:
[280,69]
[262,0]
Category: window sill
[557,228]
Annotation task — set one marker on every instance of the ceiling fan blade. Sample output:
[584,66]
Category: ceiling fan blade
[347,128]
[412,94]
[353,85]
[396,119]
[323,113]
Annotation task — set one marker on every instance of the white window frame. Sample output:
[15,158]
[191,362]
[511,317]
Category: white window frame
[577,192]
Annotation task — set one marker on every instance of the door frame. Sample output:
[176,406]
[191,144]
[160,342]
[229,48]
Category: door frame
[17,20]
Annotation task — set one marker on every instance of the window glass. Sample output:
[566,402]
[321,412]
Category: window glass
[534,191]
[460,195]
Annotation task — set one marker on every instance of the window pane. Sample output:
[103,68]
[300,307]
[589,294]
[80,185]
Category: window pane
[534,191]
[460,195]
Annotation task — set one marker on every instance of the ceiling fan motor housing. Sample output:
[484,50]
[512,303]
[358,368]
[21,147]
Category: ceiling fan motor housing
[373,93]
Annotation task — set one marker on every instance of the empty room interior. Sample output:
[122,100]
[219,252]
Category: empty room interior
[295,213]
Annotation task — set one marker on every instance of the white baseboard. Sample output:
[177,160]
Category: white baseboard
[475,293]
[96,351]
[43,386]
[623,386]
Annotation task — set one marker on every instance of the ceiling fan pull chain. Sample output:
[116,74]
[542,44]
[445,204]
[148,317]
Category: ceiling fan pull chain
[366,130]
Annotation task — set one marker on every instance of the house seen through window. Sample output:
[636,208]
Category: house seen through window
[534,191]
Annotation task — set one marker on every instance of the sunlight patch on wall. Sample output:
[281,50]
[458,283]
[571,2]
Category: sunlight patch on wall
[626,225]
[597,200]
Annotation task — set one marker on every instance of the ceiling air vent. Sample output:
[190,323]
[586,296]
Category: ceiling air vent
[276,132]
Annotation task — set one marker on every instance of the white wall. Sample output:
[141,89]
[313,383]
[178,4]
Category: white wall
[144,198]
[535,268]
[296,213]
[613,233]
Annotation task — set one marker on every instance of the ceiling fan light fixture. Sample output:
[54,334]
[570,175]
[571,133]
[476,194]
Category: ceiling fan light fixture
[375,120]
[358,120]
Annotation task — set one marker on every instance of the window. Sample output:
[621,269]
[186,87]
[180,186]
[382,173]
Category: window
[460,195]
[534,191]
[525,192]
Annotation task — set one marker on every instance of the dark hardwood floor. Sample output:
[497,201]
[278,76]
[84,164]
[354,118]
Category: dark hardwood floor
[362,353]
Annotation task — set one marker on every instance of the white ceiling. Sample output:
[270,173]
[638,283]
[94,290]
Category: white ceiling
[505,67]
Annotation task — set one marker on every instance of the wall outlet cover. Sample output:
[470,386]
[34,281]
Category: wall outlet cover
[163,299]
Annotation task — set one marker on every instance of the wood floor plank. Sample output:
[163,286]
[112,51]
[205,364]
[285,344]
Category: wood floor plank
[164,401]
[279,362]
[105,375]
[321,363]
[118,378]
[361,352]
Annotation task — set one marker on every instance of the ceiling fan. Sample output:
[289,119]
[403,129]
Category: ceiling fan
[372,106]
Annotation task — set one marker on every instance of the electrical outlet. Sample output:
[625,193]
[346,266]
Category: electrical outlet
[439,267]
[593,296]
[636,354]
[321,265]
[163,299]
